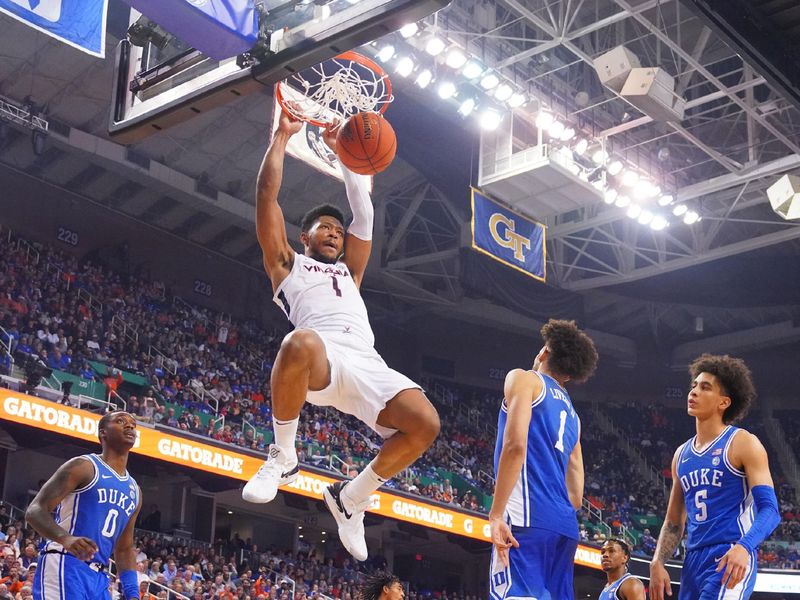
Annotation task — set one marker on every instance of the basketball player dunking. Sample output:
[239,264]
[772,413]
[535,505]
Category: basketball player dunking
[329,358]
[539,470]
[96,503]
[717,477]
[621,585]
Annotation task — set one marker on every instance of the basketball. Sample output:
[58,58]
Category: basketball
[366,143]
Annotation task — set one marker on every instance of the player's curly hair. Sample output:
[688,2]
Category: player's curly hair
[323,210]
[622,544]
[735,378]
[372,588]
[572,352]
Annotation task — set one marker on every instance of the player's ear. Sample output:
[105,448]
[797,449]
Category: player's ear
[304,237]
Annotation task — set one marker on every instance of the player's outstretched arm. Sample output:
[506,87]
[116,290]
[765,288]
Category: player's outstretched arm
[270,225]
[358,242]
[72,475]
[746,450]
[519,390]
[632,589]
[125,556]
[669,538]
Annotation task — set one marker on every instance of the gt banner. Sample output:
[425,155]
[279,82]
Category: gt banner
[508,237]
[79,23]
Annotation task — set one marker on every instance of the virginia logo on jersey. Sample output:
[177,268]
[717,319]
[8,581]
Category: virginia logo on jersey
[327,270]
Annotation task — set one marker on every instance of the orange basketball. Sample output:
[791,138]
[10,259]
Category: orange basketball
[366,143]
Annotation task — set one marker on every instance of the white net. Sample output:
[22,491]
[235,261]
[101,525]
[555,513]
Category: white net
[335,89]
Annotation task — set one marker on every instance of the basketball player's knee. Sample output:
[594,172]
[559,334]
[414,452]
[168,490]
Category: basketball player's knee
[300,345]
[427,428]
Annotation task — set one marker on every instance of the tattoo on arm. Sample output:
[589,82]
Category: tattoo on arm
[668,540]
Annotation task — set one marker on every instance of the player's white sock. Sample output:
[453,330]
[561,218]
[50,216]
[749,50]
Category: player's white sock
[285,436]
[360,488]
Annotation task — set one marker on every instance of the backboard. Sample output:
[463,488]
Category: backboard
[161,82]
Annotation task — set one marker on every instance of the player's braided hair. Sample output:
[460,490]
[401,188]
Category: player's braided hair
[572,352]
[372,588]
[735,378]
[622,544]
[323,210]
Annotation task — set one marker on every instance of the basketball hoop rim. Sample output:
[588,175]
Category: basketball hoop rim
[355,57]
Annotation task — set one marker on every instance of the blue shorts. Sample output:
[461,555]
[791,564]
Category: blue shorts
[64,577]
[701,581]
[541,568]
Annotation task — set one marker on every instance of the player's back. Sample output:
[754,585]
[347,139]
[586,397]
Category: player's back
[540,497]
[719,506]
[324,297]
[99,511]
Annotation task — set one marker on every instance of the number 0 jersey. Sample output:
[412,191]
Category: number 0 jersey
[99,511]
[540,497]
[719,505]
[323,297]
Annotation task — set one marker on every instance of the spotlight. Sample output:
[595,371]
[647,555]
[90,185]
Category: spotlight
[408,30]
[568,134]
[610,195]
[556,130]
[489,81]
[404,66]
[446,90]
[435,45]
[517,100]
[614,168]
[490,119]
[599,157]
[646,217]
[680,210]
[634,210]
[691,217]
[629,178]
[646,189]
[455,58]
[424,78]
[467,106]
[658,223]
[544,119]
[473,69]
[386,53]
[622,201]
[666,200]
[581,147]
[503,92]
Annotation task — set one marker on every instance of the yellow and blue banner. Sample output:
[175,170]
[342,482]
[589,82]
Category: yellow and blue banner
[508,237]
[78,23]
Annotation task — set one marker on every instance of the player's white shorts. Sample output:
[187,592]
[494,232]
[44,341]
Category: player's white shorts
[361,382]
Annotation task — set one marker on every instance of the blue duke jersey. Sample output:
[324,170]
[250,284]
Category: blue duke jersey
[719,506]
[610,592]
[324,297]
[540,498]
[99,511]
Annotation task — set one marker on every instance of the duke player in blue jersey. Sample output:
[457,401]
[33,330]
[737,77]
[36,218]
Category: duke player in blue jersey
[539,471]
[621,585]
[85,513]
[718,478]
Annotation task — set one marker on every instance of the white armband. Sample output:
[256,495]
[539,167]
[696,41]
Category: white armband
[357,187]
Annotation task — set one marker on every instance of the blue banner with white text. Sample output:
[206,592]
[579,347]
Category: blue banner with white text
[79,23]
[508,237]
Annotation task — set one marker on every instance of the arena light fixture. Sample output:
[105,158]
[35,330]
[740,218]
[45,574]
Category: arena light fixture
[544,119]
[614,168]
[629,178]
[633,212]
[659,223]
[646,217]
[446,90]
[581,146]
[466,107]
[517,100]
[622,201]
[556,129]
[386,53]
[568,134]
[489,81]
[473,69]
[455,58]
[666,200]
[610,196]
[404,66]
[691,217]
[599,157]
[644,189]
[490,119]
[435,45]
[409,30]
[424,78]
[503,92]
[680,210]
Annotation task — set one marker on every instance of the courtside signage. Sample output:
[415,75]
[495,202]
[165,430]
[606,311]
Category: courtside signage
[508,237]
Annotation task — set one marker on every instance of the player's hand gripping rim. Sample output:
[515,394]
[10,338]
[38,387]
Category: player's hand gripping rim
[659,581]
[503,539]
[735,562]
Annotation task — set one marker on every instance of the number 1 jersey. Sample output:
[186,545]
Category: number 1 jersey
[540,497]
[323,297]
[99,511]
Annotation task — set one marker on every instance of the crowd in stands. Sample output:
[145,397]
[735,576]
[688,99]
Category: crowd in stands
[200,365]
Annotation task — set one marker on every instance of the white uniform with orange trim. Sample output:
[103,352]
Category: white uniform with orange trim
[324,298]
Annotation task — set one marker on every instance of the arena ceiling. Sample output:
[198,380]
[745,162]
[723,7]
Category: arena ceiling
[741,130]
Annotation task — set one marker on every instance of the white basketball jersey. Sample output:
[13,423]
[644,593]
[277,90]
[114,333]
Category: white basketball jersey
[323,297]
